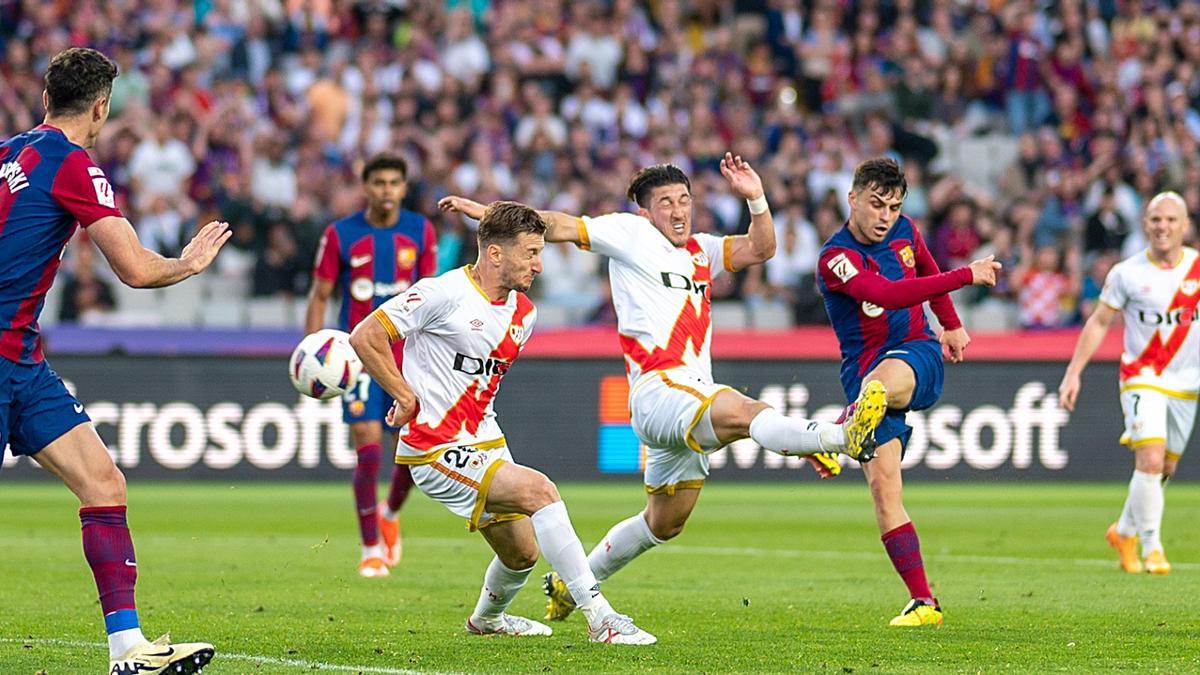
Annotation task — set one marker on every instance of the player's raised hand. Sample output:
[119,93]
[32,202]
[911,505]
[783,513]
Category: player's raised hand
[1068,391]
[983,271]
[203,248]
[744,180]
[467,207]
[955,341]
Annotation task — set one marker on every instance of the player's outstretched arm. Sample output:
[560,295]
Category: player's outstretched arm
[559,226]
[1089,341]
[139,267]
[844,272]
[373,344]
[758,244]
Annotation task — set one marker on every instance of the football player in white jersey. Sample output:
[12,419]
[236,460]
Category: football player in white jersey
[661,274]
[462,332]
[1157,291]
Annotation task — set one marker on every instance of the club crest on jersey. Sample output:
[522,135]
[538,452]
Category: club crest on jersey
[871,309]
[406,257]
[700,259]
[907,257]
[1189,286]
[517,333]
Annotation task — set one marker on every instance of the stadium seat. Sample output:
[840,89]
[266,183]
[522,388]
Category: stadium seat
[771,316]
[181,303]
[729,314]
[271,312]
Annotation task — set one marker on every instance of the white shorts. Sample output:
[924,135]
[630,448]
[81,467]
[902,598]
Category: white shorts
[460,477]
[669,411]
[1154,415]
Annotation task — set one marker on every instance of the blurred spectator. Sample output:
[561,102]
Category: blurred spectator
[86,298]
[1022,125]
[1046,290]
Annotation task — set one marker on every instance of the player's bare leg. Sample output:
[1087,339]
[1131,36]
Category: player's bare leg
[367,437]
[389,509]
[895,527]
[521,490]
[516,554]
[79,459]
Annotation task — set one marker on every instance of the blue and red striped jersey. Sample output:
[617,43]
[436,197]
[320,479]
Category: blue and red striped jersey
[48,188]
[371,264]
[848,270]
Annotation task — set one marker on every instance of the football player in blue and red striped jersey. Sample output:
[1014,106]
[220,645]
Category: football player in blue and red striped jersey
[876,274]
[49,188]
[369,257]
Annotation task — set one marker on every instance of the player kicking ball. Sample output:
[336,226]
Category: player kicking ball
[661,273]
[1157,291]
[875,274]
[52,189]
[462,332]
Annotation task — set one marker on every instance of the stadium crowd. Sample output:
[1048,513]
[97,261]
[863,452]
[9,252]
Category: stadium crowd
[1028,130]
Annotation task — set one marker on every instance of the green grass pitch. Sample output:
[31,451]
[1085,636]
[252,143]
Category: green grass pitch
[766,578]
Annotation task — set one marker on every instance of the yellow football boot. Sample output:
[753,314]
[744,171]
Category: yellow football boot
[1126,549]
[865,415]
[560,604]
[825,464]
[919,613]
[161,656]
[1156,563]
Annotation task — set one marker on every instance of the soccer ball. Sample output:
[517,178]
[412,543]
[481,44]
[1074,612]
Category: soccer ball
[324,364]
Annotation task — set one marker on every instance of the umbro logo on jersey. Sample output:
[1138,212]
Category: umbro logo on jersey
[476,324]
[359,260]
[12,173]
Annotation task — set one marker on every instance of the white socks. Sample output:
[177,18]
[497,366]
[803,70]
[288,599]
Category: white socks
[1146,504]
[791,436]
[388,513]
[500,586]
[561,548]
[625,541]
[374,551]
[124,640]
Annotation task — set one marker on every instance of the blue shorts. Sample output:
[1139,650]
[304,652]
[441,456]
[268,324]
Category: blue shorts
[35,407]
[925,359]
[366,401]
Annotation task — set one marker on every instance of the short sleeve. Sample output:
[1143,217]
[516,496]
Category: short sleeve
[718,251]
[328,262]
[82,189]
[1114,294]
[616,235]
[838,266]
[413,310]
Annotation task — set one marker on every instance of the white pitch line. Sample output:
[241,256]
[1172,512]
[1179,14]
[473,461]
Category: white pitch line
[234,656]
[857,555]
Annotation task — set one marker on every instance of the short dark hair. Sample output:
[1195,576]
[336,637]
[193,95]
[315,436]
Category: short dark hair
[384,160]
[76,78]
[503,221]
[654,176]
[881,173]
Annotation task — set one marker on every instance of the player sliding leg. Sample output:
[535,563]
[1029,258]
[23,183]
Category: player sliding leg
[674,476]
[517,489]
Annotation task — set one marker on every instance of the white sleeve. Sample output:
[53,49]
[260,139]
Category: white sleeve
[616,235]
[416,309]
[1114,294]
[717,249]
